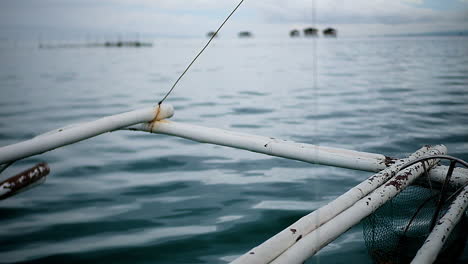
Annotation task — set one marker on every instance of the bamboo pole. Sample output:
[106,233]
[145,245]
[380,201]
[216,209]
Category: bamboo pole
[273,247]
[73,134]
[322,236]
[437,238]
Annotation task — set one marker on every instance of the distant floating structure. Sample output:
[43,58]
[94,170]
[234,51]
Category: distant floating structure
[127,44]
[329,32]
[211,34]
[294,33]
[107,44]
[313,32]
[310,32]
[245,34]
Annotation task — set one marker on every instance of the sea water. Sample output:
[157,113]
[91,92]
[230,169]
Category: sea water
[133,197]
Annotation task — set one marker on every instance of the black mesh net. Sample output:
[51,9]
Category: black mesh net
[396,231]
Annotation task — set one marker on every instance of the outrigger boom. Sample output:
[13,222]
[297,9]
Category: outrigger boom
[154,120]
[300,240]
[75,133]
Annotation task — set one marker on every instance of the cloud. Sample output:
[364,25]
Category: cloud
[196,17]
[418,2]
[348,12]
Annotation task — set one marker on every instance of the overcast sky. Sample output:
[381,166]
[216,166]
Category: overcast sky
[191,18]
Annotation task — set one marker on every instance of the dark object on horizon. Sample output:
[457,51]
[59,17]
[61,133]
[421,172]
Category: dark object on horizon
[245,34]
[329,32]
[127,44]
[211,34]
[107,44]
[310,32]
[294,33]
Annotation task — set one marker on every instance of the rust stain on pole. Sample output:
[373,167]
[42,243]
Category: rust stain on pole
[388,161]
[156,117]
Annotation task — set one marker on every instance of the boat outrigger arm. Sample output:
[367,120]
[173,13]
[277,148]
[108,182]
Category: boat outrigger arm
[310,233]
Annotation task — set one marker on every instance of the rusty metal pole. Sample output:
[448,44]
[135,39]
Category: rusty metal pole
[24,180]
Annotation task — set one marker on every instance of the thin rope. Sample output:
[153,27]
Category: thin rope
[315,102]
[199,53]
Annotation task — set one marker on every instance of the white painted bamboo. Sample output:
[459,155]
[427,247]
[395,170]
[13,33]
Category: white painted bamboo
[69,135]
[279,243]
[271,146]
[437,238]
[322,236]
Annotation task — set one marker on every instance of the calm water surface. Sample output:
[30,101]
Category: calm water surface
[128,197]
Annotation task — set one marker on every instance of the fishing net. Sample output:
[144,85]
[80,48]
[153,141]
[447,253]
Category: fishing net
[396,231]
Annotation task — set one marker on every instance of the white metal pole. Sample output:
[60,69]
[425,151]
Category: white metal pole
[65,136]
[304,152]
[271,146]
[266,145]
[273,247]
[437,238]
[322,236]
[459,176]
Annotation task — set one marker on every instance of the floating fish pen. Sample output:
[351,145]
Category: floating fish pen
[413,208]
[107,44]
[120,44]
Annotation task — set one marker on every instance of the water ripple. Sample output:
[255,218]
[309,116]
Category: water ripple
[127,197]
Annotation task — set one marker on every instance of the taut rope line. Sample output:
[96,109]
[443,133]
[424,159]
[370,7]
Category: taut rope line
[201,51]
